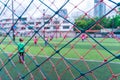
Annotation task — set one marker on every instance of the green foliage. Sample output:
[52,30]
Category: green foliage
[82,23]
[115,21]
[106,22]
[91,23]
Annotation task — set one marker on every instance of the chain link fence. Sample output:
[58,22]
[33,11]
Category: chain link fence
[62,40]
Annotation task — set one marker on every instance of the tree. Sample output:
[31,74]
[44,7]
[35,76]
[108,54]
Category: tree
[83,23]
[106,22]
[116,21]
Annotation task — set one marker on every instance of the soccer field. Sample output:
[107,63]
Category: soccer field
[74,57]
[88,49]
[102,73]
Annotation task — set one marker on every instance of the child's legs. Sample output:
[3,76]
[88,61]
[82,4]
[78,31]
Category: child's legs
[21,56]
[35,42]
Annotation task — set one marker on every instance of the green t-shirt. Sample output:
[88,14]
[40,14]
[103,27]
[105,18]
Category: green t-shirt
[21,47]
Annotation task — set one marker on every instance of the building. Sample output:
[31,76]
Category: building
[27,26]
[100,8]
[63,13]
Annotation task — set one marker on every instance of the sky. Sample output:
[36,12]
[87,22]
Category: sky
[36,8]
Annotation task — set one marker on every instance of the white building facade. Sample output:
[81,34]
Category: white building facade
[46,26]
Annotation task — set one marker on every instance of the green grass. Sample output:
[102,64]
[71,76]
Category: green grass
[71,52]
[102,73]
[79,47]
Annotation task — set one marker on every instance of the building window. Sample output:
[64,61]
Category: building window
[65,21]
[46,27]
[37,27]
[22,28]
[66,27]
[23,19]
[32,23]
[23,23]
[55,27]
[38,23]
[56,22]
[30,27]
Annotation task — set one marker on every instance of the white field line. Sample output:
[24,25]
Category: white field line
[74,59]
[81,60]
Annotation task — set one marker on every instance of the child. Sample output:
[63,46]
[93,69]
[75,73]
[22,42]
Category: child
[51,37]
[83,36]
[35,40]
[46,39]
[21,50]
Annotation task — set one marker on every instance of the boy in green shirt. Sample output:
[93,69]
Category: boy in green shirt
[21,50]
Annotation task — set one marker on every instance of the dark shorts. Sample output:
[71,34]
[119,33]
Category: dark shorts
[21,53]
[35,42]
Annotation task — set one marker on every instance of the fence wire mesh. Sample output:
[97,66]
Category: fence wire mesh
[62,39]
